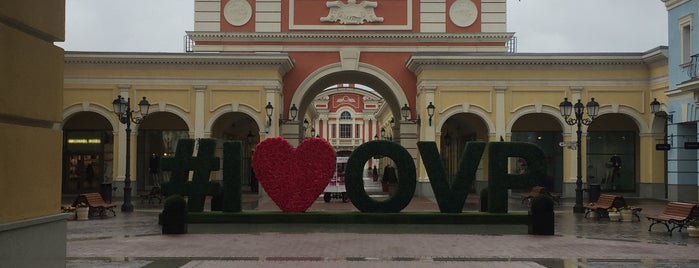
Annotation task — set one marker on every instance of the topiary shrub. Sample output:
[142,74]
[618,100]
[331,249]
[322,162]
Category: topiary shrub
[451,198]
[406,177]
[484,200]
[541,215]
[174,216]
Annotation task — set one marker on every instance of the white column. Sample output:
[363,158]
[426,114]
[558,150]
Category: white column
[199,123]
[500,111]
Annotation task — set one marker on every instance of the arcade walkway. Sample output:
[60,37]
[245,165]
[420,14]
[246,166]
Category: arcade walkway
[134,240]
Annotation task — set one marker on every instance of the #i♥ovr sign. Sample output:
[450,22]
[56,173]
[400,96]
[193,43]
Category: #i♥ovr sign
[295,177]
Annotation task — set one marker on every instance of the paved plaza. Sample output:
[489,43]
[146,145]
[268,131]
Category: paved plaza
[135,240]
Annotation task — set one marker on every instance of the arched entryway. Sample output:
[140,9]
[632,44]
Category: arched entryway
[242,127]
[545,131]
[370,76]
[456,131]
[157,137]
[612,152]
[87,153]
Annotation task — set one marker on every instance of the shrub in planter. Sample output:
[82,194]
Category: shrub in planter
[541,216]
[174,216]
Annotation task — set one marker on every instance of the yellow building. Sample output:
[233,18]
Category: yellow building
[246,70]
[490,97]
[31,71]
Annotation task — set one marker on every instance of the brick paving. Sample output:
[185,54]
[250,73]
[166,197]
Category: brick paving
[134,240]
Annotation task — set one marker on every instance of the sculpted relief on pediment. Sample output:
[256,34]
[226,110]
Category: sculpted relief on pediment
[351,13]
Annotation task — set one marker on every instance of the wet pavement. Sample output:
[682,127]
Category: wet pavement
[134,240]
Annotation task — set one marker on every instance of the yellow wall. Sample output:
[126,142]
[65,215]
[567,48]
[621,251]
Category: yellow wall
[31,69]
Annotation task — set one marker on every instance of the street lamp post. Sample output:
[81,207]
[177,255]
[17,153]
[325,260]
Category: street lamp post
[592,110]
[122,108]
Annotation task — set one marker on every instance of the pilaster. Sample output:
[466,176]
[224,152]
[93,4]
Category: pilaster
[199,124]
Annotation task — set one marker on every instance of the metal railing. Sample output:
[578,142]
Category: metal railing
[691,66]
[511,45]
[188,44]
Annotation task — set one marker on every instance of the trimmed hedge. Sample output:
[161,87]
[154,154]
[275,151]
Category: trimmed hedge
[406,177]
[451,199]
[324,217]
[202,165]
[499,178]
[232,167]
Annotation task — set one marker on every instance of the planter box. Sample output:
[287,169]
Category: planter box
[614,216]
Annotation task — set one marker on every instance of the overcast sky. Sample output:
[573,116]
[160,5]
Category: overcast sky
[539,25]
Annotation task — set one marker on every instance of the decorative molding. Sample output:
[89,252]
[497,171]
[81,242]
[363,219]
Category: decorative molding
[463,13]
[281,61]
[403,26]
[349,37]
[237,12]
[421,60]
[351,13]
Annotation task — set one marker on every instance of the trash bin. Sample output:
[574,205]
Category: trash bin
[106,192]
[593,192]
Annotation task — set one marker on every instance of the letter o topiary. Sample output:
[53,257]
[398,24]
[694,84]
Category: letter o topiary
[406,177]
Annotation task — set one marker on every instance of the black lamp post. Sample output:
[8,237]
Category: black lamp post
[430,112]
[592,110]
[123,109]
[405,113]
[313,132]
[269,109]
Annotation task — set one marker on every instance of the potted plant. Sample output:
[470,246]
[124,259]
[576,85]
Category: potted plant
[70,210]
[626,214]
[614,214]
[693,228]
[82,211]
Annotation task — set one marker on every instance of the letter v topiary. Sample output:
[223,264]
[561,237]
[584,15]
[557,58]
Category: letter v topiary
[451,199]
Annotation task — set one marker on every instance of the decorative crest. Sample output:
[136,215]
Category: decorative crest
[351,13]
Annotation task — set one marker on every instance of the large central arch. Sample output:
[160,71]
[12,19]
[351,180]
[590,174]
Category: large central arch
[364,74]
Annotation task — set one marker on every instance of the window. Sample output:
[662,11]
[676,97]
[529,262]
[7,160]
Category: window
[345,131]
[345,115]
[686,39]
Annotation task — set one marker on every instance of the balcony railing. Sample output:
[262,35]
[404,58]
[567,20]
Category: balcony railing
[346,142]
[691,67]
[188,44]
[512,45]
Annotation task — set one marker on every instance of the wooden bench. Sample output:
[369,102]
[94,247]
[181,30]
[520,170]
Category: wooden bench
[153,194]
[604,203]
[677,214]
[537,190]
[96,203]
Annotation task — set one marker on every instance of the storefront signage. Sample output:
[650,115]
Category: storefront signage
[84,141]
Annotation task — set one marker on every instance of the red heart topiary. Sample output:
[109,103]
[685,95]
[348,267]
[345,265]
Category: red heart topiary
[294,178]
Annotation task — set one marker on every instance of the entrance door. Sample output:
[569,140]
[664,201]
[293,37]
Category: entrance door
[83,172]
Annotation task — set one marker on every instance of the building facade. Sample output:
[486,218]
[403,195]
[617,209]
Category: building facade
[680,111]
[310,57]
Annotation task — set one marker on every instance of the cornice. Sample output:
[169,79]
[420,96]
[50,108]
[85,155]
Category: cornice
[421,61]
[670,4]
[354,37]
[281,61]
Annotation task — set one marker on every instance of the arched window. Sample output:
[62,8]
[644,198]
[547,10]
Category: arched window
[345,115]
